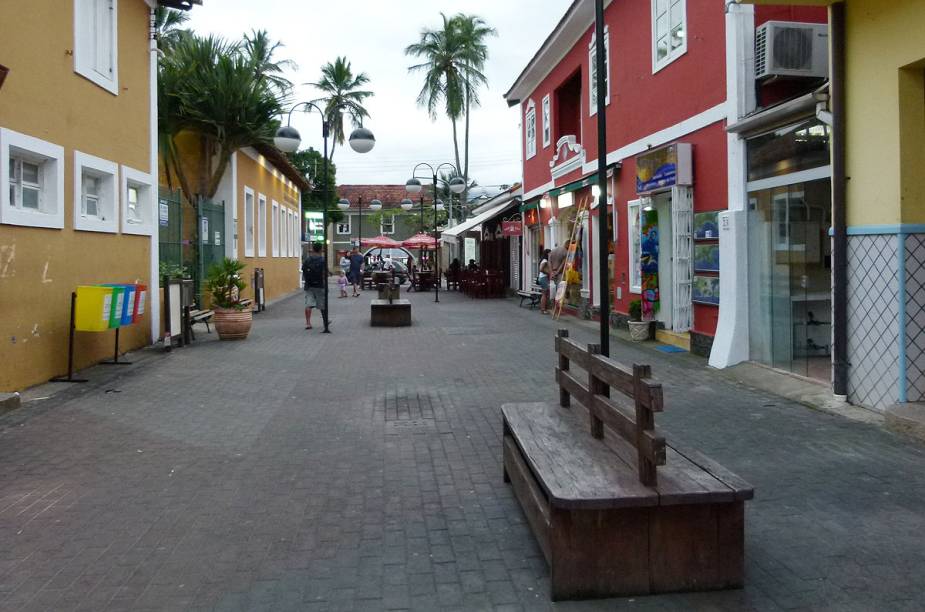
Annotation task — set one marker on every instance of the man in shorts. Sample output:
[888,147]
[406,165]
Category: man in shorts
[355,273]
[557,259]
[313,276]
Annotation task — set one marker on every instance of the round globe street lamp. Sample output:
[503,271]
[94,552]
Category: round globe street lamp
[407,204]
[413,185]
[288,139]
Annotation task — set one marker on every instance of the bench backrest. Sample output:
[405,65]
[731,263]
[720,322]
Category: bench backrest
[624,399]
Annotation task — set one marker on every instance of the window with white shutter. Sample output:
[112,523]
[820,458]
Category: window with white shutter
[96,42]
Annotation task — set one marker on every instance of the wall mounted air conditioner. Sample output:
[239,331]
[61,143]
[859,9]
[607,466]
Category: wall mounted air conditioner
[791,49]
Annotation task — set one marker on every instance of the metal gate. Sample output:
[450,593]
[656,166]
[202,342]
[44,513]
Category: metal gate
[211,225]
[170,231]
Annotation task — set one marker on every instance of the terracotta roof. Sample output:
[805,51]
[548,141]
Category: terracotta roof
[282,163]
[390,195]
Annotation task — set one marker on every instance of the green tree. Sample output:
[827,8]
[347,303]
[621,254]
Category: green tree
[223,93]
[342,93]
[167,25]
[261,49]
[310,163]
[453,61]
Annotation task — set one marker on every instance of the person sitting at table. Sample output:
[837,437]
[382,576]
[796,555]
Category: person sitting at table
[454,266]
[472,267]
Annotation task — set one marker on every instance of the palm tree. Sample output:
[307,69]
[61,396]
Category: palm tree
[454,57]
[342,92]
[167,25]
[260,49]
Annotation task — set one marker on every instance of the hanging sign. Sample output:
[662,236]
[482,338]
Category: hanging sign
[664,168]
[512,228]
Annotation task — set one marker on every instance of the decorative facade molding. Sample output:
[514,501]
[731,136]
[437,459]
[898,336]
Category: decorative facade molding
[562,163]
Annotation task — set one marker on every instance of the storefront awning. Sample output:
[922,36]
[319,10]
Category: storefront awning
[475,223]
[579,184]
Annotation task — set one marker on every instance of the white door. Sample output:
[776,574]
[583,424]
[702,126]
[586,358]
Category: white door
[682,221]
[662,203]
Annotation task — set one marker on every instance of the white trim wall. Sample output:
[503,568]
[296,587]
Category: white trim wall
[250,231]
[261,225]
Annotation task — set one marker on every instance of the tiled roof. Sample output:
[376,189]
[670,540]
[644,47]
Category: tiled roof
[390,195]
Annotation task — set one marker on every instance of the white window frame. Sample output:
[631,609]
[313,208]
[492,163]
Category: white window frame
[382,225]
[294,229]
[634,248]
[349,225]
[261,225]
[108,172]
[51,158]
[249,230]
[547,121]
[87,15]
[274,230]
[530,128]
[592,66]
[673,54]
[144,184]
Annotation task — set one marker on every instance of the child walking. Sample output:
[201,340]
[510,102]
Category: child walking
[342,283]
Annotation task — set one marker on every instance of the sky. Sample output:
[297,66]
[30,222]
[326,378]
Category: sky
[373,34]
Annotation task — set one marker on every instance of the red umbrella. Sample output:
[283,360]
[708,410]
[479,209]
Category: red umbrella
[420,241]
[383,242]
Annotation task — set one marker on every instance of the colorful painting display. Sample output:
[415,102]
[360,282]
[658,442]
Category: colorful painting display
[706,225]
[706,258]
[706,290]
[649,264]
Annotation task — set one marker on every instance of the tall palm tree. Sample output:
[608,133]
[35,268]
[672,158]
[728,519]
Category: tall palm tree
[342,93]
[261,50]
[454,57]
[168,26]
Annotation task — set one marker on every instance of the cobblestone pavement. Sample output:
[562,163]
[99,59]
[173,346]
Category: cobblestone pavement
[361,471]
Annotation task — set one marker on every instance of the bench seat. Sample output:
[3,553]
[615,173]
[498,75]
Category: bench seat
[533,295]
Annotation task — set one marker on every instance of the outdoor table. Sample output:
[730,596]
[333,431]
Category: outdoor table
[425,279]
[381,277]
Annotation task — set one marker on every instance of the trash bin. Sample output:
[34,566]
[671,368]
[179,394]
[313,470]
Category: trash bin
[93,308]
[138,309]
[118,304]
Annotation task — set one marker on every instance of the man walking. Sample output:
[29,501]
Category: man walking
[356,271]
[557,259]
[313,276]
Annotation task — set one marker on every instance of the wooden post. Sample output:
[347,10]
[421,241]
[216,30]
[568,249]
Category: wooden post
[564,397]
[596,387]
[645,420]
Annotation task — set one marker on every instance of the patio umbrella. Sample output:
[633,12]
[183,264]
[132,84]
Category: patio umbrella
[383,242]
[419,241]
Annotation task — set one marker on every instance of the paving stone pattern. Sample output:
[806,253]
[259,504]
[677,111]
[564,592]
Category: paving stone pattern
[361,471]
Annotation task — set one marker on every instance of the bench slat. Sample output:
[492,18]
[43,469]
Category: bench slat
[741,489]
[532,499]
[617,414]
[573,352]
[573,469]
[618,376]
[573,386]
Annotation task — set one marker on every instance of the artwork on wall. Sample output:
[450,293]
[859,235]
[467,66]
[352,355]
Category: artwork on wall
[706,225]
[706,258]
[706,290]
[649,264]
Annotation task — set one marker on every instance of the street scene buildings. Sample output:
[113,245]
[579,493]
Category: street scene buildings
[641,313]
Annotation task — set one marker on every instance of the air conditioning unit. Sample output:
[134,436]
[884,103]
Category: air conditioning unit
[791,49]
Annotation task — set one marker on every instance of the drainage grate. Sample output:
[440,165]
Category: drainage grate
[407,406]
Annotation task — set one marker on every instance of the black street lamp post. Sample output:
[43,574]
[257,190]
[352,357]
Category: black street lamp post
[288,139]
[455,185]
[603,216]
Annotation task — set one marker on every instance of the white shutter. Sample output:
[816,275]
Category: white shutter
[682,220]
[515,262]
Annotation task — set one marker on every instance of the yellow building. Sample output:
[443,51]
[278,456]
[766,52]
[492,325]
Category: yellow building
[877,66]
[77,157]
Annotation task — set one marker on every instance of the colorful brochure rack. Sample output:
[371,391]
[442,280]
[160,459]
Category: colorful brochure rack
[98,308]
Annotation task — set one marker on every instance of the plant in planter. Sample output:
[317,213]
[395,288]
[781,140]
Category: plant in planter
[639,329]
[225,283]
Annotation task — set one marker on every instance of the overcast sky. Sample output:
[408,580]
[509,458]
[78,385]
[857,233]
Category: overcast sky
[373,35]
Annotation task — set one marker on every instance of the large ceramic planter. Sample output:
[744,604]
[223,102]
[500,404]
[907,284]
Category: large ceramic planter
[232,324]
[639,330]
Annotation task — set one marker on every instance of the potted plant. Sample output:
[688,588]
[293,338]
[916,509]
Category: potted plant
[639,329]
[225,283]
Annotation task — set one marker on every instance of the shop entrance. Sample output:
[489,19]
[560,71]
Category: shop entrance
[790,278]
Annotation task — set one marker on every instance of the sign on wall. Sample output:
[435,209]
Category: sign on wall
[469,249]
[511,228]
[163,212]
[315,223]
[664,168]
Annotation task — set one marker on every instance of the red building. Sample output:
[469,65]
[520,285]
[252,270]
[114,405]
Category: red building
[667,108]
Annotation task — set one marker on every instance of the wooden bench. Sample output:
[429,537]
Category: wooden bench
[615,509]
[199,316]
[534,295]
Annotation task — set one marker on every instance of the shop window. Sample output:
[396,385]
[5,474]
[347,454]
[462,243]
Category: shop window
[387,225]
[669,32]
[592,71]
[248,222]
[96,42]
[343,228]
[634,243]
[31,181]
[530,127]
[95,195]
[274,230]
[137,202]
[788,149]
[547,125]
[262,225]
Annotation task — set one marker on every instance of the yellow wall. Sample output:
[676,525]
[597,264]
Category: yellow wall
[281,274]
[43,97]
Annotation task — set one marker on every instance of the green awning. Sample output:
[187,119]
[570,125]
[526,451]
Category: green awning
[533,205]
[579,184]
